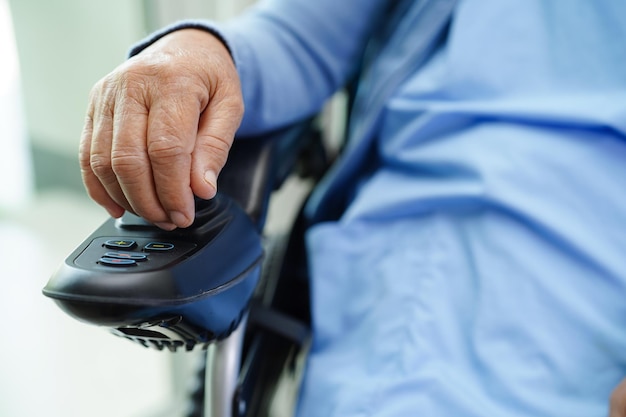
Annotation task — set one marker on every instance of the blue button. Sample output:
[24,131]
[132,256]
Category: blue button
[158,246]
[139,257]
[117,262]
[119,244]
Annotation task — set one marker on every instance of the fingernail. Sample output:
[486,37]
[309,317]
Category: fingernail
[179,219]
[116,212]
[211,178]
[166,226]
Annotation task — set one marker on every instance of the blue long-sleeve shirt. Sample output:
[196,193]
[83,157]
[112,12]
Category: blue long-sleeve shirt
[477,264]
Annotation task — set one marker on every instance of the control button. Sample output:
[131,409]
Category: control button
[117,262]
[158,247]
[120,244]
[139,257]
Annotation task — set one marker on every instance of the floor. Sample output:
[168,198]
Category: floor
[52,365]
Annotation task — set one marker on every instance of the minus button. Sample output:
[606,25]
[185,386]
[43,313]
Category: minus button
[158,247]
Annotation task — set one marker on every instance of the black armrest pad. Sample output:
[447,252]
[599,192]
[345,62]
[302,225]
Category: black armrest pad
[258,165]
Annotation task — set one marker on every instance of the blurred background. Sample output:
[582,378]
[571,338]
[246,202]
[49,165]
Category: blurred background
[52,53]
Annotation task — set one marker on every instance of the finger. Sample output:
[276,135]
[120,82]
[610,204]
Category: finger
[100,119]
[92,184]
[129,156]
[216,131]
[172,131]
[100,158]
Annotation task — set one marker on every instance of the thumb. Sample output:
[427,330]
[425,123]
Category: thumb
[216,131]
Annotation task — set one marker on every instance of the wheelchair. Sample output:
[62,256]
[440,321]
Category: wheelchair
[222,285]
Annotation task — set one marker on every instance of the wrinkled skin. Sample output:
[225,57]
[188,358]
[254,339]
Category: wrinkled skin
[159,128]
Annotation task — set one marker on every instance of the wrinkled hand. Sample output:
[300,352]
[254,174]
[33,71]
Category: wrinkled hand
[159,128]
[618,401]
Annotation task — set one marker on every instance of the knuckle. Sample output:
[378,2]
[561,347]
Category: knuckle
[131,81]
[237,106]
[215,145]
[100,165]
[166,69]
[144,72]
[126,165]
[165,149]
[215,148]
[132,76]
[105,88]
[132,88]
[99,87]
[84,158]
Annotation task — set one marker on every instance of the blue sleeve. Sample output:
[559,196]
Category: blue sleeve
[291,55]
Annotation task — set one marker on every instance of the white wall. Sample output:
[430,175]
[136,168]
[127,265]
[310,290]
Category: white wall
[64,47]
[162,12]
[15,168]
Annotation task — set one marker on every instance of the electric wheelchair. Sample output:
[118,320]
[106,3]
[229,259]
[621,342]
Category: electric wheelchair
[220,285]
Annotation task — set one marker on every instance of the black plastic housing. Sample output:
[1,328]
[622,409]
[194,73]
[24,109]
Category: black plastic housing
[193,292]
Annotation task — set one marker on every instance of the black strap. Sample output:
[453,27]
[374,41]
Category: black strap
[434,16]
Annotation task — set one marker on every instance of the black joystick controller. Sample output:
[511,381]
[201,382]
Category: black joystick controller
[164,289]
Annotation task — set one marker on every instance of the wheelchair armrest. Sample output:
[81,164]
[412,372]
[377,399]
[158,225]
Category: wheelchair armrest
[188,286]
[258,165]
